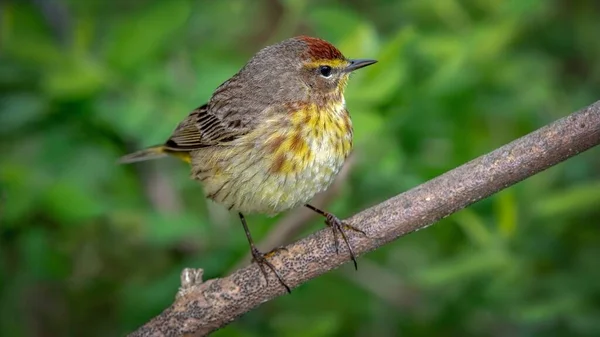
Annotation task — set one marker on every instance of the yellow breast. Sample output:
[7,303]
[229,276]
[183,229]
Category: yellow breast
[281,165]
[315,136]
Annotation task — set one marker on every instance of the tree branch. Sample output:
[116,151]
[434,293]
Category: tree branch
[201,308]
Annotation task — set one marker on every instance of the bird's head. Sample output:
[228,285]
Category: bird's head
[324,69]
[299,69]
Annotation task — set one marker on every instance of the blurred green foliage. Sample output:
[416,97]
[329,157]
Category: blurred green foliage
[90,248]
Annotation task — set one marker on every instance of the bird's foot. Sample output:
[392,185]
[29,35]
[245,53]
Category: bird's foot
[338,226]
[261,259]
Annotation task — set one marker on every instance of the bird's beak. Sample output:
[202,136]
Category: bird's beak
[359,63]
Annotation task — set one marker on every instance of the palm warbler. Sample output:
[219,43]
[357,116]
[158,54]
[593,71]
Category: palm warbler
[272,136]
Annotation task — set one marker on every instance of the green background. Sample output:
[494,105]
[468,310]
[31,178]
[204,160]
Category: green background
[91,248]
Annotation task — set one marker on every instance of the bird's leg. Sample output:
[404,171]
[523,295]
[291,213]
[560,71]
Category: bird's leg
[336,226]
[260,258]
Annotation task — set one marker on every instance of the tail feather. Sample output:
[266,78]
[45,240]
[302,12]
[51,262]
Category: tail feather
[153,152]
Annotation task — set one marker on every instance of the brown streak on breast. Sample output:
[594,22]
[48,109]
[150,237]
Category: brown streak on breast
[297,143]
[307,118]
[278,163]
[275,144]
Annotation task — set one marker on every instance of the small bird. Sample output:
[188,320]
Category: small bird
[272,136]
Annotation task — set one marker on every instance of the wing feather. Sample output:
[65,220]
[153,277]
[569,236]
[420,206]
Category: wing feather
[202,129]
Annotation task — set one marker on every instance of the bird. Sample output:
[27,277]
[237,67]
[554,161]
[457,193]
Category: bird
[272,136]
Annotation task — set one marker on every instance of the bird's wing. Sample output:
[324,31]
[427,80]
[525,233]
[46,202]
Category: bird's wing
[201,128]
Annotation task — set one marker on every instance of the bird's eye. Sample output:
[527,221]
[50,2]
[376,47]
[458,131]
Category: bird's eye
[325,71]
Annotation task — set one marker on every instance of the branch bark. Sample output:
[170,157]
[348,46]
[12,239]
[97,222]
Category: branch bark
[202,307]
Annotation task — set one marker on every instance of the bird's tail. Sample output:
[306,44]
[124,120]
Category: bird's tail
[153,152]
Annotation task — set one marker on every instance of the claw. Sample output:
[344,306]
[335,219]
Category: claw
[338,226]
[261,260]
